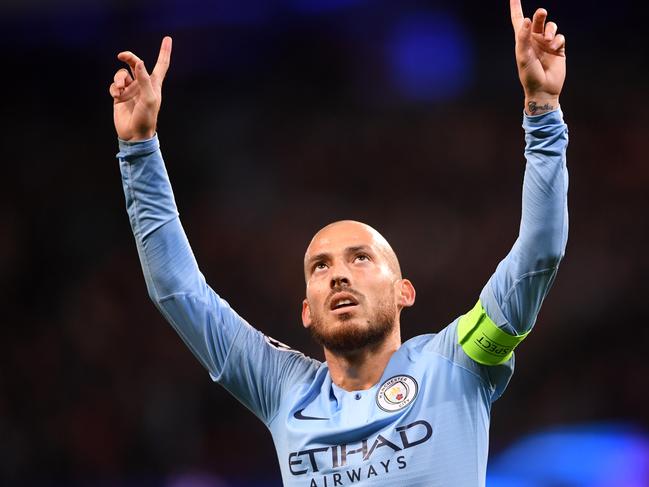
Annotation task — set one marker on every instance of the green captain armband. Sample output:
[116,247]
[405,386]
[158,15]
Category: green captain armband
[483,341]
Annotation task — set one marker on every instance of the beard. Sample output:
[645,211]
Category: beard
[347,334]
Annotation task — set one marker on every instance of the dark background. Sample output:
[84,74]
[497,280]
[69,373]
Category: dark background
[278,118]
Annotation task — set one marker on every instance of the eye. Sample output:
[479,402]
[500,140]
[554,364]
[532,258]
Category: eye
[318,266]
[361,258]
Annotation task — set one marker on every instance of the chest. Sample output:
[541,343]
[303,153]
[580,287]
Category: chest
[399,429]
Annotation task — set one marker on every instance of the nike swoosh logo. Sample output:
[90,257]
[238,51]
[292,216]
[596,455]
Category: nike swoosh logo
[298,415]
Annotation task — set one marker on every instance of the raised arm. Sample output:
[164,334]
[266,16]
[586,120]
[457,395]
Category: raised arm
[511,300]
[252,367]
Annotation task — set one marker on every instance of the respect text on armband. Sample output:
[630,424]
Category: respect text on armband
[488,345]
[337,457]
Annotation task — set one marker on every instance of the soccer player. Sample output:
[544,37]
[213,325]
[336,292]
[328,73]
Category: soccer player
[377,411]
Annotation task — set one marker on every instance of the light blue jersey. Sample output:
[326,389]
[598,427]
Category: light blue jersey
[426,422]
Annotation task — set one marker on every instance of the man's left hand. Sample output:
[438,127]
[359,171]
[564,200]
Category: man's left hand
[540,57]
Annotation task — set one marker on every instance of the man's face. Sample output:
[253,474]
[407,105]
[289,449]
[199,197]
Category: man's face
[353,287]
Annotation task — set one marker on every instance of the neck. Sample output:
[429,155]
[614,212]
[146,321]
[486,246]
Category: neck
[361,369]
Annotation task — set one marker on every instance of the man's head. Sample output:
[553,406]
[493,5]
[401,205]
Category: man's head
[354,289]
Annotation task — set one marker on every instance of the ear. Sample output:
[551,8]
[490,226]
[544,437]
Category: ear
[306,314]
[405,293]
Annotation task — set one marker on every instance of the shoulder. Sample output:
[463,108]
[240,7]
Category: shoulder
[443,342]
[296,366]
[444,346]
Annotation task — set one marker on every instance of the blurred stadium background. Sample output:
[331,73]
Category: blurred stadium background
[278,117]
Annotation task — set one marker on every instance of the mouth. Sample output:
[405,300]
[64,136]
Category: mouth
[343,301]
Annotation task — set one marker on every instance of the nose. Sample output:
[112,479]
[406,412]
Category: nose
[339,281]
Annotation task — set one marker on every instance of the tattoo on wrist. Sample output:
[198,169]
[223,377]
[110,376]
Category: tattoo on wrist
[535,109]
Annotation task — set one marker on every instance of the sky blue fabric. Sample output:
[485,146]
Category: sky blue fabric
[326,436]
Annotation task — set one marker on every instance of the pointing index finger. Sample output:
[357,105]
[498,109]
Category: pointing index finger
[164,58]
[516,11]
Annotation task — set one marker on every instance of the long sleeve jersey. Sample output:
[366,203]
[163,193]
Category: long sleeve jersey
[426,421]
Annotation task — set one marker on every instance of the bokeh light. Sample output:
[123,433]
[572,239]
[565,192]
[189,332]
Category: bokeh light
[429,56]
[604,455]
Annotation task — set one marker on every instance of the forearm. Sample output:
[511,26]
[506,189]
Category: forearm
[205,322]
[544,218]
[167,260]
[517,288]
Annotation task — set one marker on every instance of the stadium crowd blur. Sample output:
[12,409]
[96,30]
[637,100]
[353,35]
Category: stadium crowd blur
[276,120]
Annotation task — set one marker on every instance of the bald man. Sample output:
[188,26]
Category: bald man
[377,411]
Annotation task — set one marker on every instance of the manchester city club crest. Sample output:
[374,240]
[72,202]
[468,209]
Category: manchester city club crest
[396,393]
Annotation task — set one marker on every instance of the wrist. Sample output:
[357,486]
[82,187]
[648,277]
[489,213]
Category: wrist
[141,136]
[137,148]
[538,104]
[136,140]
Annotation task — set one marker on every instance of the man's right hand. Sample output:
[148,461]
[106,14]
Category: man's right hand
[137,95]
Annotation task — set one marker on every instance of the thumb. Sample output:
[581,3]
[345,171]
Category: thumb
[144,82]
